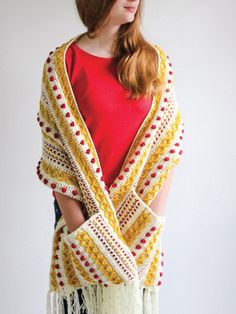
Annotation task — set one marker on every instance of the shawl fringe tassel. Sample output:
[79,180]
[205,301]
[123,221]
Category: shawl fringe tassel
[97,299]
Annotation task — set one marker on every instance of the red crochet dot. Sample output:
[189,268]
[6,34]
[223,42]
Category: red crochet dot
[67,114]
[153,126]
[142,144]
[102,178]
[137,153]
[147,182]
[64,189]
[126,169]
[87,263]
[75,192]
[161,274]
[181,152]
[169,81]
[114,185]
[59,275]
[73,245]
[153,228]
[159,167]
[170,64]
[148,135]
[120,177]
[59,96]
[57,266]
[100,281]
[177,144]
[53,185]
[138,247]
[88,151]
[131,161]
[78,252]
[133,253]
[61,283]
[41,123]
[96,276]
[153,175]
[48,60]
[49,69]
[63,106]
[91,270]
[143,241]
[162,108]
[72,123]
[172,151]
[48,129]
[167,90]
[52,78]
[93,160]
[158,118]
[148,234]
[77,133]
[159,283]
[166,159]
[170,72]
[165,99]
[55,87]
[82,258]
[98,170]
[141,191]
[82,142]
[45,181]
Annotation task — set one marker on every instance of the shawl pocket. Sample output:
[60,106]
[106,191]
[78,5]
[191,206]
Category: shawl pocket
[142,229]
[97,254]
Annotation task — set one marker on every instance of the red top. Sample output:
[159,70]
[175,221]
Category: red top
[112,119]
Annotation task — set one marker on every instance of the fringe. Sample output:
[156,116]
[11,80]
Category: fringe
[97,299]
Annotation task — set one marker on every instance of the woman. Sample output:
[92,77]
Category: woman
[114,81]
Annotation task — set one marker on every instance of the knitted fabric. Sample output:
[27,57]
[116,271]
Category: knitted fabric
[116,255]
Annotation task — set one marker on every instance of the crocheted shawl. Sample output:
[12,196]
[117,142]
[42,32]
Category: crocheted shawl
[115,256]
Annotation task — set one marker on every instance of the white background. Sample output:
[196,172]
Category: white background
[199,236]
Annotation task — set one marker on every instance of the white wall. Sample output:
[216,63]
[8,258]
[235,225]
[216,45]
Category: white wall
[199,237]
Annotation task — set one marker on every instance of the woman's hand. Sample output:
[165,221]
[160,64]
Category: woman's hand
[71,210]
[158,205]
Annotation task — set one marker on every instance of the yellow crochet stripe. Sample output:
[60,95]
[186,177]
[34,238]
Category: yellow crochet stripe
[151,274]
[78,154]
[70,273]
[58,175]
[123,190]
[161,149]
[136,228]
[46,117]
[52,278]
[78,265]
[98,258]
[125,186]
[147,251]
[52,152]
